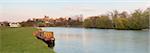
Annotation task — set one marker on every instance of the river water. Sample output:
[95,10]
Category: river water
[82,40]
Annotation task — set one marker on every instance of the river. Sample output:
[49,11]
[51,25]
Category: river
[82,40]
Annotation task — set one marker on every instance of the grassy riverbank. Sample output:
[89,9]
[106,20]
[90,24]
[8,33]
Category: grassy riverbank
[21,40]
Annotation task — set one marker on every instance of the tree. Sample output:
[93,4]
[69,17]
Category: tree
[90,22]
[136,20]
[87,23]
[146,18]
[121,23]
[114,14]
[103,22]
[123,14]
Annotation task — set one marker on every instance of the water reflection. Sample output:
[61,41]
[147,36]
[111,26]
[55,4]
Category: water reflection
[80,40]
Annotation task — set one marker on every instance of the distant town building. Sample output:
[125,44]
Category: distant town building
[61,21]
[14,25]
[77,17]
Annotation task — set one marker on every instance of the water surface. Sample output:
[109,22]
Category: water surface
[81,40]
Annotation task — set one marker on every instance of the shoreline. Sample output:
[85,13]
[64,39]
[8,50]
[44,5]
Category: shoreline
[102,28]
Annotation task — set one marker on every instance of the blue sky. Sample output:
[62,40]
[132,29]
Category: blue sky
[19,10]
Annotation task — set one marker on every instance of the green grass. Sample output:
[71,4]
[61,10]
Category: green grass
[21,40]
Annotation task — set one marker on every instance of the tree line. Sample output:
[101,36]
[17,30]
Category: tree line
[123,21]
[60,22]
[136,20]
